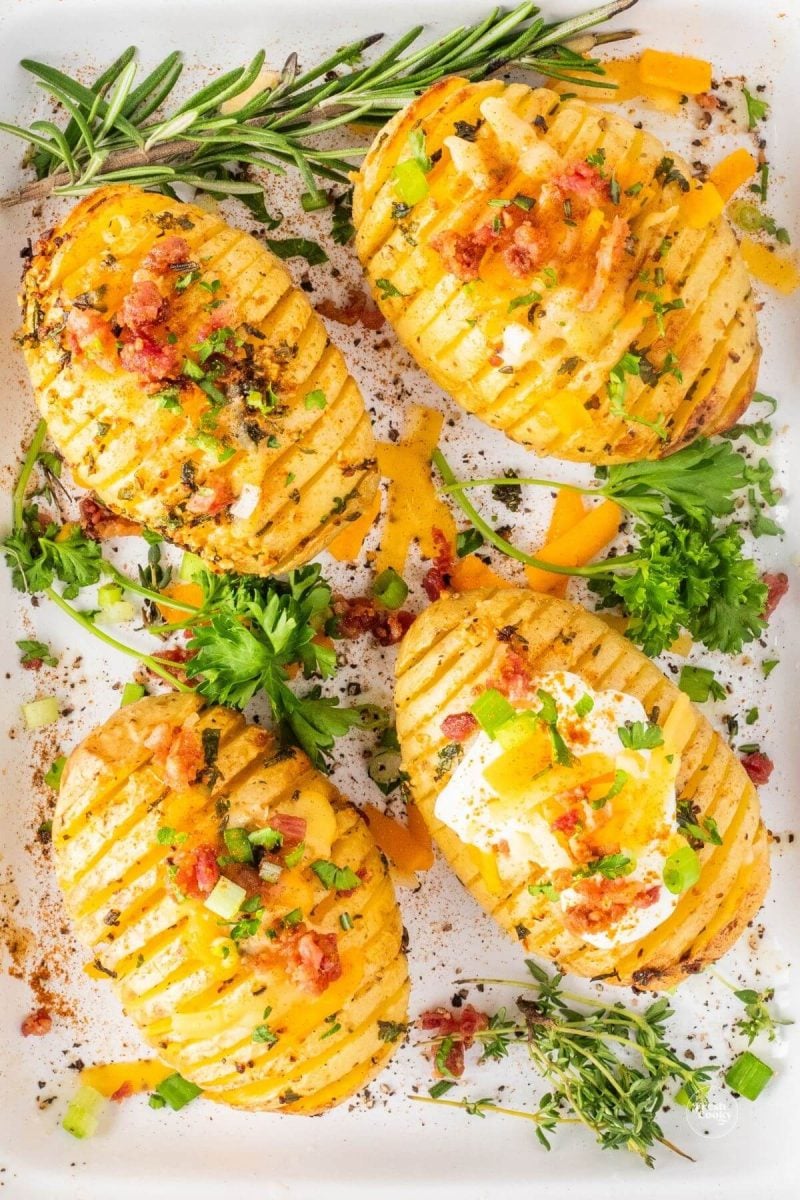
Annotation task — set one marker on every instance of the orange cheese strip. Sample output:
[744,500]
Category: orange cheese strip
[346,547]
[189,593]
[140,1076]
[470,573]
[702,205]
[679,72]
[578,546]
[407,848]
[568,510]
[732,171]
[414,507]
[773,269]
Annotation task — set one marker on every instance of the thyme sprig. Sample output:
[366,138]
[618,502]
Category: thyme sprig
[610,1068]
[121,131]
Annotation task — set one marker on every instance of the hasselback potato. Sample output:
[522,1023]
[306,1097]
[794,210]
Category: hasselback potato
[190,385]
[575,791]
[558,271]
[237,902]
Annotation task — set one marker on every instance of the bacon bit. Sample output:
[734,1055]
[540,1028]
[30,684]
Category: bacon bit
[529,246]
[609,253]
[358,308]
[292,829]
[211,498]
[198,871]
[37,1023]
[248,878]
[436,579]
[461,1025]
[460,253]
[177,655]
[777,587]
[167,252]
[89,335]
[392,627]
[606,901]
[152,361]
[123,1091]
[459,726]
[568,822]
[361,615]
[582,179]
[100,523]
[142,307]
[758,766]
[310,959]
[185,759]
[707,100]
[514,680]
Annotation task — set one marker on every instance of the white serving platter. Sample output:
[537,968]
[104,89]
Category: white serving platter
[383,1144]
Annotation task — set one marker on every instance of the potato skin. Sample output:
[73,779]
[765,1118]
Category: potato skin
[453,648]
[457,301]
[199,1010]
[101,375]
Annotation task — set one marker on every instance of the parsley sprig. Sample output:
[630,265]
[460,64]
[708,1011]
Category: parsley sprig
[689,570]
[609,1068]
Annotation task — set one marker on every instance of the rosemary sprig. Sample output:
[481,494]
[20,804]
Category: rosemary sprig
[609,1068]
[118,130]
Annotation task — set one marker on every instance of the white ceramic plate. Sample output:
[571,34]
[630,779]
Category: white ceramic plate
[383,1144]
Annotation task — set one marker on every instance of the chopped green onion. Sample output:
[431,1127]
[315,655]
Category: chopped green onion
[748,1076]
[108,594]
[681,870]
[294,856]
[131,693]
[390,589]
[315,399]
[491,710]
[439,1089]
[38,713]
[191,566]
[267,837]
[311,201]
[225,898]
[410,183]
[342,879]
[53,775]
[83,1112]
[238,845]
[584,706]
[294,917]
[346,921]
[385,769]
[177,1091]
[516,731]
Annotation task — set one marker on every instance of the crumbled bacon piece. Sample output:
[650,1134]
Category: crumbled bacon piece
[123,1092]
[167,252]
[605,902]
[514,679]
[777,587]
[568,822]
[37,1023]
[100,523]
[461,1025]
[648,897]
[609,254]
[358,308]
[436,579]
[707,100]
[461,253]
[310,959]
[142,307]
[211,498]
[758,766]
[152,361]
[177,655]
[198,871]
[291,828]
[361,615]
[459,726]
[88,334]
[391,627]
[527,249]
[582,179]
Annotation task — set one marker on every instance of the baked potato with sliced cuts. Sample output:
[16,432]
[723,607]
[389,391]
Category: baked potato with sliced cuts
[190,385]
[557,271]
[237,902]
[575,791]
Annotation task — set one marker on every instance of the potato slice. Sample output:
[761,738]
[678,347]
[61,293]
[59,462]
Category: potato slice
[286,1017]
[451,652]
[558,271]
[191,386]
